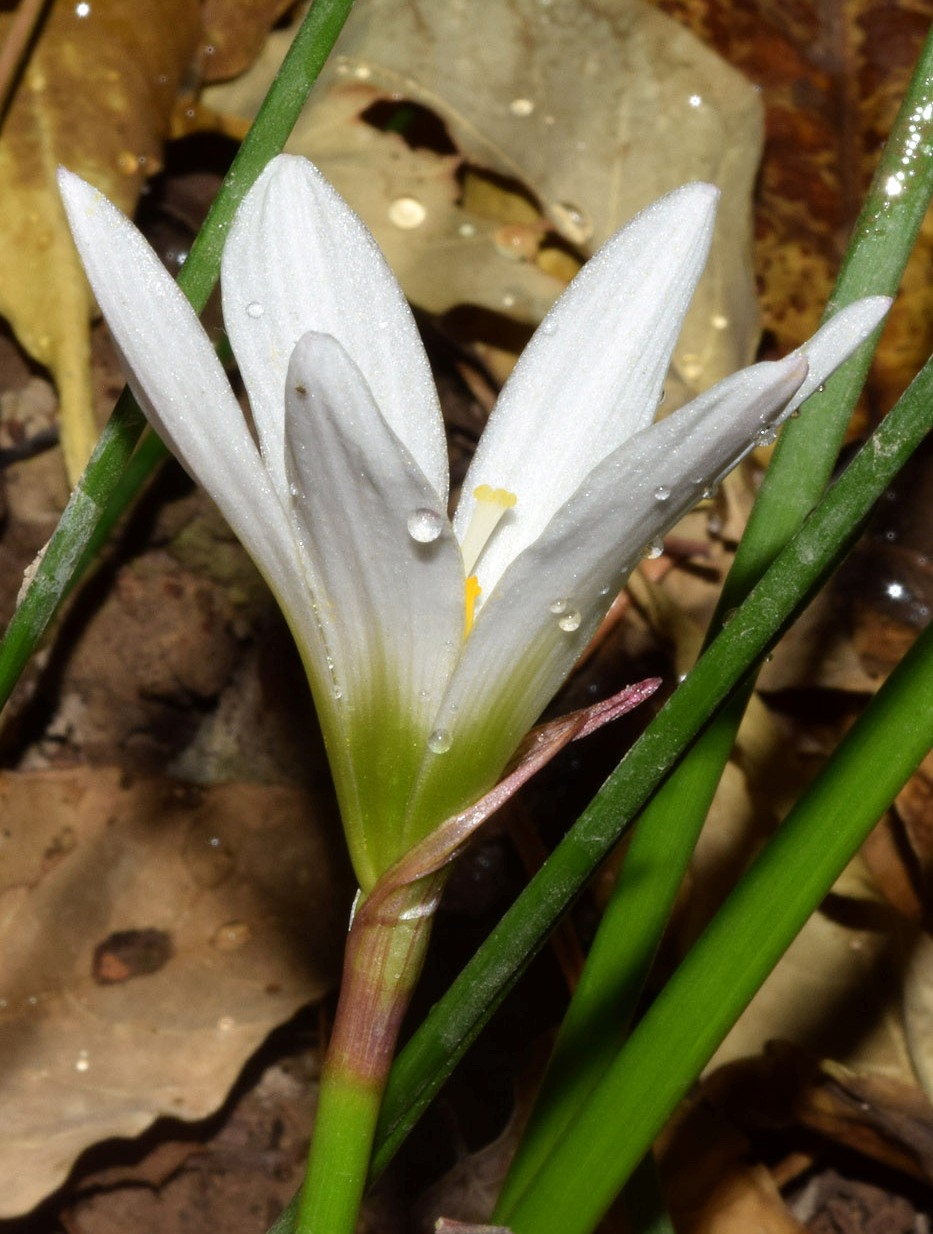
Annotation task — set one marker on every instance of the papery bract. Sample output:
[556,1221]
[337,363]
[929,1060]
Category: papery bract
[432,646]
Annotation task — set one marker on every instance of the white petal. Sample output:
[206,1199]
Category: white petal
[593,372]
[299,259]
[835,341]
[534,626]
[179,381]
[394,604]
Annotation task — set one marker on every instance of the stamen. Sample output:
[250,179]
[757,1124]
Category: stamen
[473,590]
[491,504]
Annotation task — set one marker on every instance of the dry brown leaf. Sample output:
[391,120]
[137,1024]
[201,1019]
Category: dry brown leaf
[710,1185]
[592,111]
[234,32]
[152,935]
[881,1118]
[834,992]
[831,78]
[96,95]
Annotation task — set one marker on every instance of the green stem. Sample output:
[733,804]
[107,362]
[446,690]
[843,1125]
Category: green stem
[385,954]
[600,1013]
[720,975]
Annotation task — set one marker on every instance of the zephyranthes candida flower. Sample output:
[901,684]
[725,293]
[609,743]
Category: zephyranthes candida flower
[432,645]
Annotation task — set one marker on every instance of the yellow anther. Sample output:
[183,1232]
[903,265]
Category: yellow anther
[491,504]
[498,496]
[472,590]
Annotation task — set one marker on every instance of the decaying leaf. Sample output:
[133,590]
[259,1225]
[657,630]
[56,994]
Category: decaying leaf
[152,935]
[710,1184]
[234,32]
[95,94]
[831,79]
[588,113]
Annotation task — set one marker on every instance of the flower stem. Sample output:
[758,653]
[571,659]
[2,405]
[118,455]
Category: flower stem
[385,952]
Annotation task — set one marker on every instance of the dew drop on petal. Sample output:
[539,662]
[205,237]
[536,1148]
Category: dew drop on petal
[654,549]
[82,1062]
[558,606]
[521,107]
[425,525]
[766,436]
[254,309]
[439,742]
[337,693]
[407,213]
[662,493]
[570,621]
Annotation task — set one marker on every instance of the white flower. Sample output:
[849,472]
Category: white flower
[431,646]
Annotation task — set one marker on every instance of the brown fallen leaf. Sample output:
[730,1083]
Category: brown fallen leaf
[234,32]
[881,1118]
[831,77]
[588,113]
[710,1184]
[96,94]
[238,882]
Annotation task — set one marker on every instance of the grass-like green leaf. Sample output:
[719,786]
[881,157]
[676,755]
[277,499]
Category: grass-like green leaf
[789,583]
[622,953]
[692,1014]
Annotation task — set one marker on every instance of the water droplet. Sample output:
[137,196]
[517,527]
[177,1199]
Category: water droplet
[521,107]
[662,493]
[231,935]
[209,858]
[254,309]
[337,693]
[466,230]
[558,606]
[439,742]
[572,221]
[226,1023]
[719,321]
[82,1062]
[425,525]
[407,213]
[710,492]
[767,436]
[570,621]
[653,550]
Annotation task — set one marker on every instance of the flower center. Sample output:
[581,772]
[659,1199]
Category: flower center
[491,504]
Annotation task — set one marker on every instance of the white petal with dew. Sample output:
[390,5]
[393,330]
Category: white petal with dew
[594,371]
[299,259]
[551,600]
[391,578]
[180,383]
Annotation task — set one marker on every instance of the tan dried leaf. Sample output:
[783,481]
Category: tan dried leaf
[96,95]
[152,935]
[592,111]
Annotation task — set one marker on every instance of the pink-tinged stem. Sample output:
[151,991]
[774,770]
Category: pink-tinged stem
[384,957]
